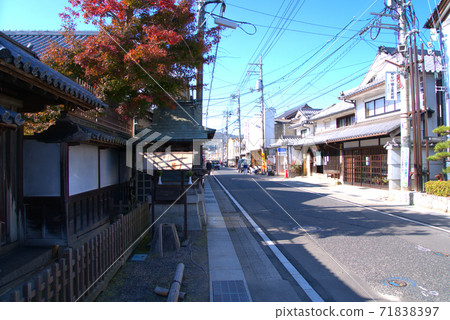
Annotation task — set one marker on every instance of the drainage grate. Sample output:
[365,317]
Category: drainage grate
[229,291]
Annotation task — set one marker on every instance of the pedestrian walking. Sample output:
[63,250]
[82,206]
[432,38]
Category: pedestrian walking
[245,167]
[208,167]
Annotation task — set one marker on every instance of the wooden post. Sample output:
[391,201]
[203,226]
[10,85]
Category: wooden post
[165,292]
[184,199]
[174,291]
[153,202]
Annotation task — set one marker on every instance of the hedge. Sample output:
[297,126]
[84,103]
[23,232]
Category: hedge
[438,188]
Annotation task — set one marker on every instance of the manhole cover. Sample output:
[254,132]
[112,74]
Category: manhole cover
[397,283]
[307,229]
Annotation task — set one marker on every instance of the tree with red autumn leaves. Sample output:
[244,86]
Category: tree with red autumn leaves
[144,53]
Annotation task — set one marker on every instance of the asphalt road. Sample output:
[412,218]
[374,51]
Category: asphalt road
[349,250]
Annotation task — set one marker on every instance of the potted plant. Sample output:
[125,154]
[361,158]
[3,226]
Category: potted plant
[159,173]
[190,174]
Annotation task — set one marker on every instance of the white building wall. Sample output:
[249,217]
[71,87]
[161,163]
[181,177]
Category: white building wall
[83,168]
[254,141]
[269,133]
[109,167]
[445,36]
[41,169]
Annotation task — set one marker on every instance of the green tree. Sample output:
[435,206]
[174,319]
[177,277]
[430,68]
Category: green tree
[145,51]
[441,148]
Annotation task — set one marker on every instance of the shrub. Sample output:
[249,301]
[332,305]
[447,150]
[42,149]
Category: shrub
[438,188]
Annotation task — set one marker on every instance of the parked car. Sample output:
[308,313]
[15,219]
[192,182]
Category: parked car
[215,165]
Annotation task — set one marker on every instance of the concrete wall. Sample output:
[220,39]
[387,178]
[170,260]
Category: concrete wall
[41,172]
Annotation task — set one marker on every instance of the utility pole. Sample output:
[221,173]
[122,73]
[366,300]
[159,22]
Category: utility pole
[263,122]
[226,142]
[200,29]
[405,131]
[238,96]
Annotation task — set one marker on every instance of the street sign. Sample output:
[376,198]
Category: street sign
[282,151]
[391,86]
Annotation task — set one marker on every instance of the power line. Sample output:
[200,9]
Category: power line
[298,21]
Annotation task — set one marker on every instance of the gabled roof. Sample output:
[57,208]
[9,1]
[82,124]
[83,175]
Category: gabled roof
[305,109]
[39,41]
[334,109]
[289,114]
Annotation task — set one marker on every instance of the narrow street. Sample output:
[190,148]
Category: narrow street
[347,247]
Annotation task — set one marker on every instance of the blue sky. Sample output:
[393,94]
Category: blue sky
[301,60]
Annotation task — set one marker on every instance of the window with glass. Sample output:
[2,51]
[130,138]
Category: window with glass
[381,106]
[345,121]
[303,133]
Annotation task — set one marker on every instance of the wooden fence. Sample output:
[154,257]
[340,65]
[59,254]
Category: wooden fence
[81,273]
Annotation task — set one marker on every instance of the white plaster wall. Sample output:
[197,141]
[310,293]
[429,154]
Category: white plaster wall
[446,43]
[83,168]
[41,169]
[109,167]
[254,133]
[269,124]
[320,126]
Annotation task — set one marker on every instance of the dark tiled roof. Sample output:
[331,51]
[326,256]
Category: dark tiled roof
[183,123]
[39,41]
[10,117]
[67,130]
[18,57]
[366,129]
[291,112]
[304,108]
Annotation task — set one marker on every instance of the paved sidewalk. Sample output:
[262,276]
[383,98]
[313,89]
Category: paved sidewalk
[227,280]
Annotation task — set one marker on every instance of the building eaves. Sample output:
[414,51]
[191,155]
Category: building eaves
[21,60]
[9,117]
[438,15]
[362,130]
[366,129]
[340,107]
[67,130]
[362,90]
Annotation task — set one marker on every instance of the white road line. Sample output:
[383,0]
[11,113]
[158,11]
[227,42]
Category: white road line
[369,208]
[312,294]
